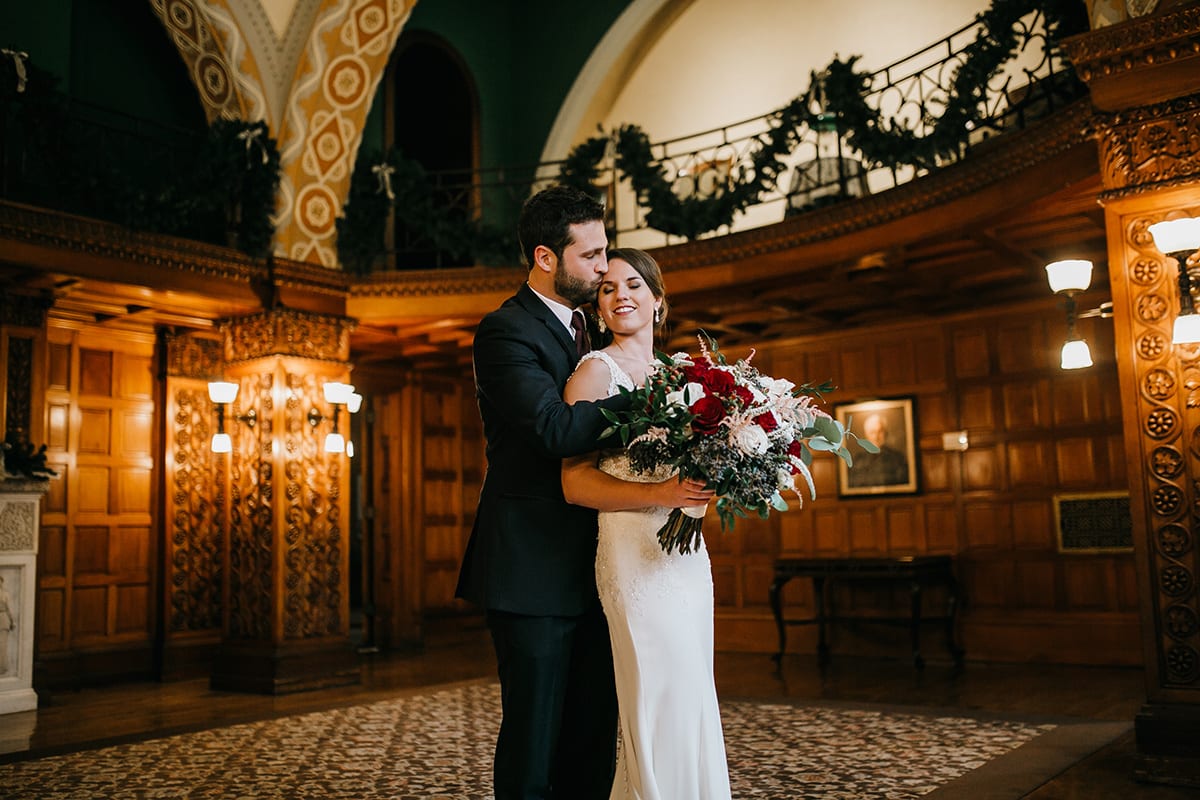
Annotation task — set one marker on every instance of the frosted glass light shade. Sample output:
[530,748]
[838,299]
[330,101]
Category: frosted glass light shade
[335,443]
[1176,235]
[1076,355]
[349,449]
[336,392]
[222,391]
[1073,274]
[354,402]
[1187,329]
[221,443]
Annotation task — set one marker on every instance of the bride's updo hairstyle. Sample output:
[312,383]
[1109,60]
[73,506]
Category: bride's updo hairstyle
[647,267]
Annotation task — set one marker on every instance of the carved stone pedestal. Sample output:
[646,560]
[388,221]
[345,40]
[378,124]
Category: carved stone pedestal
[19,513]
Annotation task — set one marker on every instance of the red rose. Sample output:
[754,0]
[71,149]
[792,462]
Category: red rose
[709,412]
[794,450]
[694,373]
[718,381]
[767,421]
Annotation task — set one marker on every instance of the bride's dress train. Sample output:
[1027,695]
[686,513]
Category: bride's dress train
[660,618]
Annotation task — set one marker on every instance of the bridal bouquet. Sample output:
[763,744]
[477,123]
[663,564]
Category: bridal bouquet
[747,435]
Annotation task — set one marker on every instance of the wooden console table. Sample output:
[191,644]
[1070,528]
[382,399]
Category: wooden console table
[917,571]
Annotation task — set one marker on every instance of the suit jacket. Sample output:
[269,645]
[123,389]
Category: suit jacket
[530,551]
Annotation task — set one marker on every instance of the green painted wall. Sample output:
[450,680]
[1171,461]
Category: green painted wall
[110,53]
[524,56]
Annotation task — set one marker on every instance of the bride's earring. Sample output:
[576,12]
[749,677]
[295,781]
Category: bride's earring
[600,323]
[658,315]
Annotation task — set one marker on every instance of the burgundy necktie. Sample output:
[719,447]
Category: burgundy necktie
[581,337]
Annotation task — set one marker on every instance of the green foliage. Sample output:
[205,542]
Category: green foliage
[22,460]
[417,210]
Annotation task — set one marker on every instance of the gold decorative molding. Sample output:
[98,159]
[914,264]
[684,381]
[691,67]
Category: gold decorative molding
[191,356]
[1150,148]
[434,282]
[1142,42]
[286,332]
[90,237]
[1143,61]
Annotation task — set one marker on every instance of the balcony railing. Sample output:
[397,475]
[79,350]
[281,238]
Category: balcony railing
[69,156]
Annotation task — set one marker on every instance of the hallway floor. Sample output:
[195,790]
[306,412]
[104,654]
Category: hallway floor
[74,720]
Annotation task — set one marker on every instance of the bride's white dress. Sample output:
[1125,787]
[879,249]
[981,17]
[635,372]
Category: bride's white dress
[660,618]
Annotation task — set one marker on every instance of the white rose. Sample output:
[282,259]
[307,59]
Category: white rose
[750,438]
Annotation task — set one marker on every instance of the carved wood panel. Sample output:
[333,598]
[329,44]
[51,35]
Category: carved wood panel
[1167,435]
[195,483]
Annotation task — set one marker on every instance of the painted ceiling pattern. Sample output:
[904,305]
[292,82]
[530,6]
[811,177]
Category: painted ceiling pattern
[328,97]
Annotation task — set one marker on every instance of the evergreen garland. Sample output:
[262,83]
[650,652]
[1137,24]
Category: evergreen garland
[880,141]
[361,227]
[240,176]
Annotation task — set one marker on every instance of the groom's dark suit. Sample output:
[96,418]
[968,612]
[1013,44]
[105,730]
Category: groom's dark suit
[531,557]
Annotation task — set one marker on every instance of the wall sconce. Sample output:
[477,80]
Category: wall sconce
[222,393]
[1178,239]
[337,395]
[1069,278]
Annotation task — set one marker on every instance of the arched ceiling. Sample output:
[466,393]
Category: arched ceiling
[313,85]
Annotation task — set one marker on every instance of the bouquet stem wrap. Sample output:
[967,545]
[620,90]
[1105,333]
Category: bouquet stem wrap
[682,529]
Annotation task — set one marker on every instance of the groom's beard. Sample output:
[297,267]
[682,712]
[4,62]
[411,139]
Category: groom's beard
[575,290]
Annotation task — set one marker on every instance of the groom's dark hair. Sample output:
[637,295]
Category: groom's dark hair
[547,217]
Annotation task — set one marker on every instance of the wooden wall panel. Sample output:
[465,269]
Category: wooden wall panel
[971,353]
[96,577]
[1034,431]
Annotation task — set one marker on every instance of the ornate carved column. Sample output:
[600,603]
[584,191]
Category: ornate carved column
[1142,75]
[195,483]
[286,604]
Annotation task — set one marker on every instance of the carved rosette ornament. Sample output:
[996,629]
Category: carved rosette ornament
[1167,377]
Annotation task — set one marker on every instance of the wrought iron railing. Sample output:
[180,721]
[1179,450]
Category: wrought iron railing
[823,165]
[78,158]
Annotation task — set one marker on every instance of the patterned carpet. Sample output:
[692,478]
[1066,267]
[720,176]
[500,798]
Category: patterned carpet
[439,745]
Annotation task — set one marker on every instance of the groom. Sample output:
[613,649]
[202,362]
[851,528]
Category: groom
[530,561]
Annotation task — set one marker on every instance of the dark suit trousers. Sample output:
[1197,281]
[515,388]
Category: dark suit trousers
[558,735]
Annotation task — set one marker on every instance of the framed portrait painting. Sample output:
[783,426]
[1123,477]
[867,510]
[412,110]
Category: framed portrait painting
[889,425]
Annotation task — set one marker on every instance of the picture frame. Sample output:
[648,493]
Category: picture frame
[889,424]
[1093,522]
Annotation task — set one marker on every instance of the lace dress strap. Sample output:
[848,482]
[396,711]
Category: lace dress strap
[617,377]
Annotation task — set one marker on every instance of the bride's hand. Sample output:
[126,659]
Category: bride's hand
[675,493]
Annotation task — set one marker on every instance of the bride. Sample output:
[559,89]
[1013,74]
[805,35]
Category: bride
[659,605]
